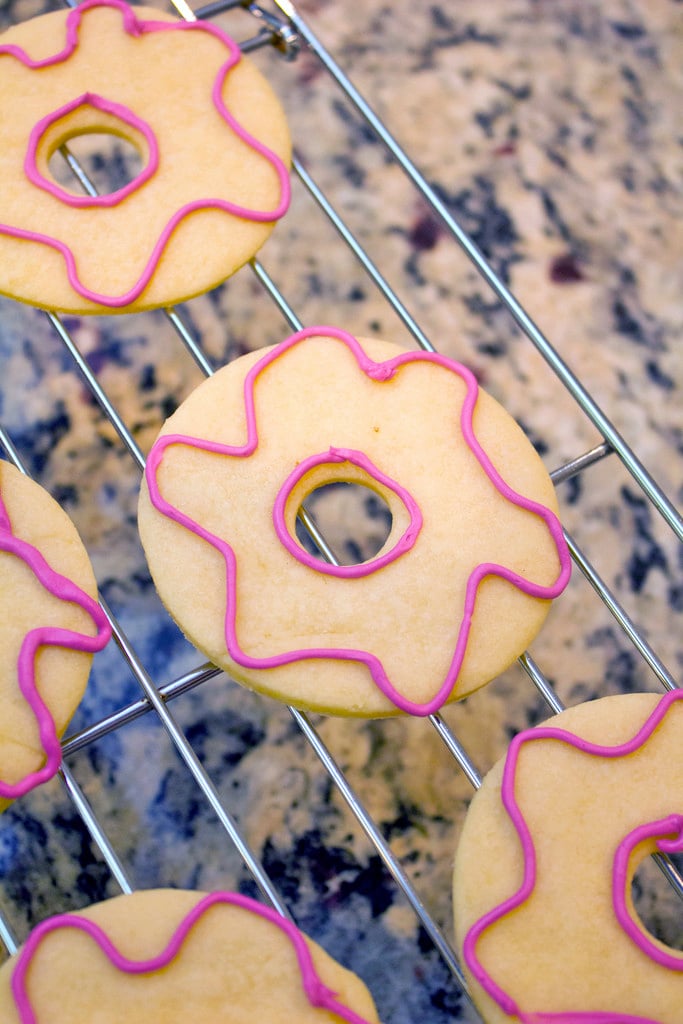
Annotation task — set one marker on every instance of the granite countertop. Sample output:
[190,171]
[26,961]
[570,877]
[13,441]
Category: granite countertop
[553,134]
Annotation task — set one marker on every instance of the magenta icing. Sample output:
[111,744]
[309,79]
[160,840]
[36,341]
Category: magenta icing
[668,832]
[99,103]
[670,839]
[379,372]
[340,456]
[318,994]
[136,27]
[46,636]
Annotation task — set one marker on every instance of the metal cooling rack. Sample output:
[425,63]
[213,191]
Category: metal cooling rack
[281,26]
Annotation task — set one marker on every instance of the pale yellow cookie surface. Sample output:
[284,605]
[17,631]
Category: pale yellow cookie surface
[165,79]
[27,605]
[233,966]
[407,613]
[563,950]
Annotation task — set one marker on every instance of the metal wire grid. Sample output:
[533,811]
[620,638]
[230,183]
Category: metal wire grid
[283,27]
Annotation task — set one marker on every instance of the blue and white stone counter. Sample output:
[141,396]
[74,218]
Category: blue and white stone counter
[553,133]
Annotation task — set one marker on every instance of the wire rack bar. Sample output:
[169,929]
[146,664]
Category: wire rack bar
[457,750]
[541,683]
[189,342]
[192,762]
[670,872]
[276,295]
[7,937]
[570,381]
[629,627]
[390,861]
[136,709]
[97,390]
[280,30]
[581,462]
[361,255]
[95,829]
[12,450]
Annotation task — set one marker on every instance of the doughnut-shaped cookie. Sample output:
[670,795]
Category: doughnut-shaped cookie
[50,626]
[459,589]
[551,842]
[174,956]
[214,150]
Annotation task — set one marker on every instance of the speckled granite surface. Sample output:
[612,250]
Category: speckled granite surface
[553,133]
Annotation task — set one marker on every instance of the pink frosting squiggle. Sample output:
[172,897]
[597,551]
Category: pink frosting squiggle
[317,993]
[108,107]
[46,636]
[669,835]
[137,27]
[341,455]
[488,920]
[379,372]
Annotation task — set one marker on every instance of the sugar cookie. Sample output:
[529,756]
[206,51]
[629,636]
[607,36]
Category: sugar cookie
[172,955]
[212,139]
[50,625]
[457,592]
[543,871]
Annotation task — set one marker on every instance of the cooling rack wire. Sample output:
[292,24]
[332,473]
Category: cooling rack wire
[281,27]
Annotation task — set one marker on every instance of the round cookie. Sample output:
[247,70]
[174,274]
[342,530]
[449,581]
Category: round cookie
[172,955]
[214,153]
[544,914]
[463,581]
[50,626]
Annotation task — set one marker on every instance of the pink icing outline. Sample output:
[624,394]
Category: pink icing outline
[636,934]
[341,455]
[109,107]
[46,636]
[137,27]
[378,372]
[318,994]
[669,834]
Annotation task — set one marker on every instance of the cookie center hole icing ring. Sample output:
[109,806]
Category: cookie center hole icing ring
[667,836]
[650,890]
[345,465]
[102,121]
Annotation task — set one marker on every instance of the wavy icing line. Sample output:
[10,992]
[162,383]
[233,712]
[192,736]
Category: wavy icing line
[317,993]
[672,827]
[379,372]
[137,27]
[46,636]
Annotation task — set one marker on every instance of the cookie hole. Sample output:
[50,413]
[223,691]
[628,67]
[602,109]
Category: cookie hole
[95,163]
[354,521]
[657,903]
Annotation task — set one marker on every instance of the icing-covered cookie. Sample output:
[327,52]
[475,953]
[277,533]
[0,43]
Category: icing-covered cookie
[544,913]
[214,153]
[50,626]
[463,582]
[175,956]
